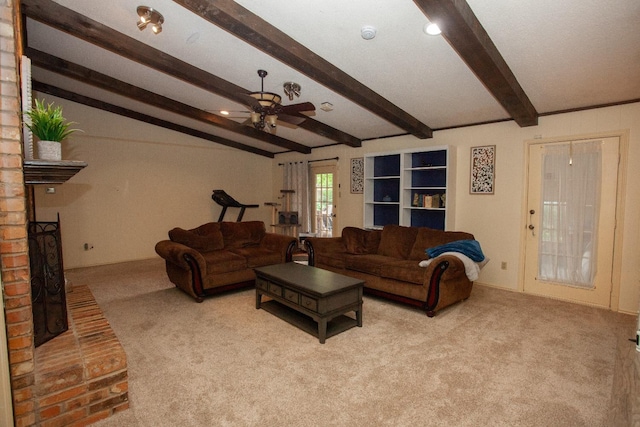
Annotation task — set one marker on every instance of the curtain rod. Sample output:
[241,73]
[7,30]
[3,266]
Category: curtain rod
[311,161]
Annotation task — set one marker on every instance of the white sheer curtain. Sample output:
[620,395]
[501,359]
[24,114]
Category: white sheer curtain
[296,177]
[571,180]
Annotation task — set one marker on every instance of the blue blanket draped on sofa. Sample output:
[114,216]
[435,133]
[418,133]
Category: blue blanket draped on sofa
[470,248]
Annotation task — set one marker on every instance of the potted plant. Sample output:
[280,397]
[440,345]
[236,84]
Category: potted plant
[50,127]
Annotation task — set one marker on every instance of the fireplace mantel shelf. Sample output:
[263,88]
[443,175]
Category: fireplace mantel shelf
[51,172]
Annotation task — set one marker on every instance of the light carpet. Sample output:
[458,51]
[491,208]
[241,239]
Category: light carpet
[499,358]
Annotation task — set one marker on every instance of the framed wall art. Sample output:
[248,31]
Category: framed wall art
[483,170]
[357,175]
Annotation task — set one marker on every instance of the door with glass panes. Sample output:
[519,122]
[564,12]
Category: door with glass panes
[571,212]
[325,200]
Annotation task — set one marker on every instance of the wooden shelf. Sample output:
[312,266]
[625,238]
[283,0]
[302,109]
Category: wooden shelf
[51,172]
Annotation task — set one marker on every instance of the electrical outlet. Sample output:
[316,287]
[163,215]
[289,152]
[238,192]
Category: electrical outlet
[503,265]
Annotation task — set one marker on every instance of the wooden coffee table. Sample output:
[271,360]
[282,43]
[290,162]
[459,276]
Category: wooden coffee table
[310,298]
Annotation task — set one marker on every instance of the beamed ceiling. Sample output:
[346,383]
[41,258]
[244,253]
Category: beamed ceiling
[495,61]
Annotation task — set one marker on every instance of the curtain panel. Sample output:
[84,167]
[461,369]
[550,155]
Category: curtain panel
[571,182]
[296,178]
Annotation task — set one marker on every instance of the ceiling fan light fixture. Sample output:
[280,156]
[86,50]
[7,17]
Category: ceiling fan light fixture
[271,120]
[148,15]
[266,99]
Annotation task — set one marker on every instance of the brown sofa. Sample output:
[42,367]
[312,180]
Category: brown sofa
[219,256]
[388,262]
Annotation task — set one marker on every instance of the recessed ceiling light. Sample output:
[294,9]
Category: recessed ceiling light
[326,106]
[368,32]
[224,112]
[432,29]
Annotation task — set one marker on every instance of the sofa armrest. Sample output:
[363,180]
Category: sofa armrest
[177,254]
[454,269]
[446,282]
[280,243]
[323,245]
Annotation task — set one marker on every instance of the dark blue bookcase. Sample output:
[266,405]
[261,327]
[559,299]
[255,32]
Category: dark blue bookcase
[409,187]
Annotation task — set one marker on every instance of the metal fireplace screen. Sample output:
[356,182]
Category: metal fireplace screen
[48,299]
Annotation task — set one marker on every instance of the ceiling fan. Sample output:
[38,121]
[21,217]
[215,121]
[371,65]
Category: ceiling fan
[266,108]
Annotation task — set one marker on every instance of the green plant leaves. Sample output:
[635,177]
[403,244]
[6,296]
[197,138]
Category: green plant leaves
[47,122]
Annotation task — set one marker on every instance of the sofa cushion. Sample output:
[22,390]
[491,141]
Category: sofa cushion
[359,241]
[370,264]
[404,271]
[205,238]
[331,259]
[396,241]
[242,234]
[223,262]
[258,256]
[429,238]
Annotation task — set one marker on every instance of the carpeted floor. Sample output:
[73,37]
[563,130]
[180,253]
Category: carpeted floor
[500,358]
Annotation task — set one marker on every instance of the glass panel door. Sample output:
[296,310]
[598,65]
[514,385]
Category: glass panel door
[324,200]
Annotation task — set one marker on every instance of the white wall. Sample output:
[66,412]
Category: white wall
[497,220]
[140,182]
[143,180]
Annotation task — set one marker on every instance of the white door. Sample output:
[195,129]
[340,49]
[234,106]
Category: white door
[549,274]
[325,200]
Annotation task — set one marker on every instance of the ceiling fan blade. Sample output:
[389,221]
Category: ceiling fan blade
[296,119]
[297,108]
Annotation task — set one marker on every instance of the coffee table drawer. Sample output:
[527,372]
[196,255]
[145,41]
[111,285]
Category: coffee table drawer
[262,284]
[308,303]
[292,296]
[275,289]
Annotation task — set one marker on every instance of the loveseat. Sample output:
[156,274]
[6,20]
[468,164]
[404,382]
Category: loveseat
[388,260]
[219,256]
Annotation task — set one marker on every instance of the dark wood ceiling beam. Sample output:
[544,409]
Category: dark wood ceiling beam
[243,24]
[63,19]
[102,81]
[104,106]
[466,35]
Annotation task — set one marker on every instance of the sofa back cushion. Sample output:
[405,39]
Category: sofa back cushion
[397,241]
[429,238]
[359,241]
[205,238]
[242,234]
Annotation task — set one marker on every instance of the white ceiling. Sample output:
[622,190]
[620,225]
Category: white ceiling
[565,55]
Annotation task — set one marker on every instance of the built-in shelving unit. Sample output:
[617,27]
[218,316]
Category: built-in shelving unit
[413,187]
[382,190]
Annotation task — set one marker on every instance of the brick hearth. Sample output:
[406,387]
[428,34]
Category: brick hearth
[81,375]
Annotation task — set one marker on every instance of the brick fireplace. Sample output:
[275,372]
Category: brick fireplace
[79,376]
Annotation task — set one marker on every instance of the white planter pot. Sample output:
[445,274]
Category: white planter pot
[49,150]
